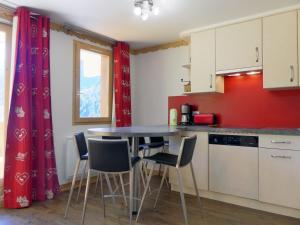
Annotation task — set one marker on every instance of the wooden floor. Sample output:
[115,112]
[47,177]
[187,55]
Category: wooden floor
[168,212]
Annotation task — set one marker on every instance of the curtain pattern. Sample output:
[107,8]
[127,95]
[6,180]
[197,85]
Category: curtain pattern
[122,84]
[30,168]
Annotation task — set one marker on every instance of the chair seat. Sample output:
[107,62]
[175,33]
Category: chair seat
[135,160]
[84,157]
[163,158]
[156,144]
[143,147]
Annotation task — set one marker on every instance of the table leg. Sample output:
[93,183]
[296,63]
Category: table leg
[136,177]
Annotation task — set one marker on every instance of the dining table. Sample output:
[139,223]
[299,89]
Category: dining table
[135,132]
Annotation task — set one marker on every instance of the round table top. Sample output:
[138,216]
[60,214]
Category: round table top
[135,131]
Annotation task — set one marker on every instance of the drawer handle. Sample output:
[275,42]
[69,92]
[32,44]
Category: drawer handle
[211,80]
[281,157]
[280,142]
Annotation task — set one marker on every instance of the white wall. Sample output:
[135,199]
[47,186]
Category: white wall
[155,76]
[61,65]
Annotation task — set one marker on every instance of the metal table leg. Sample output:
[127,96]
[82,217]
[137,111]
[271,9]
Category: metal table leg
[136,177]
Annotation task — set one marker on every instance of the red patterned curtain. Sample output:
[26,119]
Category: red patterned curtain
[122,84]
[30,168]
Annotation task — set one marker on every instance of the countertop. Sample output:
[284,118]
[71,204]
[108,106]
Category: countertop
[217,129]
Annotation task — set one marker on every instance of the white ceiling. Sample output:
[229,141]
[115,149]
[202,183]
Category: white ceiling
[115,18]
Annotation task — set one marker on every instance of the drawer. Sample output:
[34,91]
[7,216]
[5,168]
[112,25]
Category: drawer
[279,177]
[280,142]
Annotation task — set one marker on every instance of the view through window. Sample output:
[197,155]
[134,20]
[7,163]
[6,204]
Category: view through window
[93,91]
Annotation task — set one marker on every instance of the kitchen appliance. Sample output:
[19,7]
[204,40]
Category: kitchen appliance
[186,114]
[173,117]
[204,119]
[233,165]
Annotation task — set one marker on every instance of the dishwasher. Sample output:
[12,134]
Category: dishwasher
[233,165]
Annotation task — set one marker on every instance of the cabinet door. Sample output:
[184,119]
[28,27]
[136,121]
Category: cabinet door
[200,162]
[203,78]
[279,177]
[280,48]
[239,46]
[233,170]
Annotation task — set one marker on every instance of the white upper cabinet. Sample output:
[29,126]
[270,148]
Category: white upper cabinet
[203,63]
[239,47]
[280,48]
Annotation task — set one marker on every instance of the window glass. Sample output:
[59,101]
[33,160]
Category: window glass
[92,84]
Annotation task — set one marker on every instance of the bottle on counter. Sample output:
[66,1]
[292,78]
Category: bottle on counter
[173,117]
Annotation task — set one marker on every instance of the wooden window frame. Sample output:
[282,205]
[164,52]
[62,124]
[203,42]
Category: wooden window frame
[76,84]
[8,30]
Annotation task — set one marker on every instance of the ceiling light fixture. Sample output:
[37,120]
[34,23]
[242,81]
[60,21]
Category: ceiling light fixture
[143,8]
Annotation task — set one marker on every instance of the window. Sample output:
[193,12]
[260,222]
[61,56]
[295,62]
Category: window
[92,84]
[5,50]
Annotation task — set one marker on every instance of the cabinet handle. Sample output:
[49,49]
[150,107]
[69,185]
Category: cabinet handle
[281,156]
[280,142]
[210,81]
[292,73]
[257,54]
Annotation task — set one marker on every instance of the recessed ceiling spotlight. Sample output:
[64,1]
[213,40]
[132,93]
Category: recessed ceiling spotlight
[253,73]
[143,8]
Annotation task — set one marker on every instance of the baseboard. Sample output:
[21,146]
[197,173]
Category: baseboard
[248,203]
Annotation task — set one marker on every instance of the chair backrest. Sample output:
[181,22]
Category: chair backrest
[157,140]
[109,155]
[81,144]
[186,151]
[141,141]
[111,137]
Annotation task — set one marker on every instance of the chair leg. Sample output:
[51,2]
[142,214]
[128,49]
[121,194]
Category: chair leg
[182,196]
[166,180]
[161,184]
[145,192]
[116,184]
[72,187]
[81,179]
[86,196]
[102,195]
[97,181]
[142,174]
[110,188]
[195,182]
[123,189]
[130,196]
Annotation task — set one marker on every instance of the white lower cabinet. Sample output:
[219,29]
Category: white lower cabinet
[199,161]
[279,177]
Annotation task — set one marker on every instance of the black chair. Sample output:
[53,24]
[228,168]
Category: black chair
[184,158]
[111,157]
[106,176]
[155,143]
[83,156]
[82,151]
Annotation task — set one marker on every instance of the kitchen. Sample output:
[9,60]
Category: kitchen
[228,78]
[256,101]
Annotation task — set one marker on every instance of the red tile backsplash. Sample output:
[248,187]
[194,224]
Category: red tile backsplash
[246,104]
